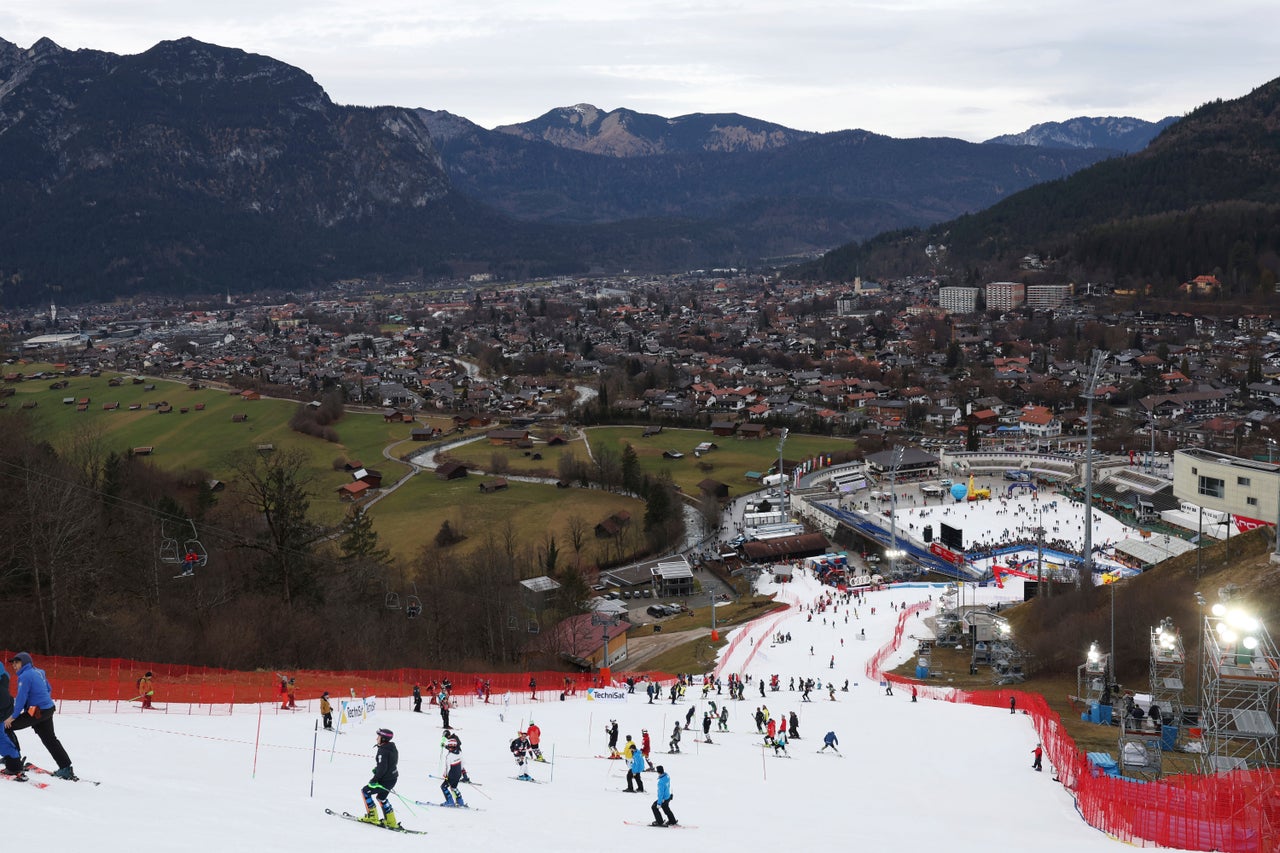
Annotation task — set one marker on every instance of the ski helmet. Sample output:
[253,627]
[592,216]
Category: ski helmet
[385,734]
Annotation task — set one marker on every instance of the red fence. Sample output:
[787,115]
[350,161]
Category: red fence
[1236,812]
[208,690]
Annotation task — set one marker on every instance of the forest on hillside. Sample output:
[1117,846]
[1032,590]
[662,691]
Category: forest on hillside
[85,570]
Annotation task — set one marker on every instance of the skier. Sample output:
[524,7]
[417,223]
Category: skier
[452,796]
[450,739]
[637,767]
[533,688]
[706,726]
[520,749]
[780,744]
[417,699]
[534,736]
[830,740]
[913,693]
[888,687]
[444,710]
[13,764]
[326,711]
[759,721]
[1038,752]
[384,780]
[688,718]
[771,731]
[664,799]
[612,731]
[293,701]
[795,726]
[33,693]
[284,692]
[645,745]
[145,690]
[674,746]
[724,719]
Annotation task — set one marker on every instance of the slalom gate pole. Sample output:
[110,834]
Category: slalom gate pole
[552,777]
[315,739]
[256,740]
[590,717]
[764,766]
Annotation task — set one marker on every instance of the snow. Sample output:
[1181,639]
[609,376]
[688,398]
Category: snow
[926,776]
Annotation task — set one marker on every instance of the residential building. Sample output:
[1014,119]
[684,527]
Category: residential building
[1044,296]
[958,300]
[1006,295]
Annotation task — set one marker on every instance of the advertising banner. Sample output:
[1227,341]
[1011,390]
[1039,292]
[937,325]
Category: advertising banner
[606,694]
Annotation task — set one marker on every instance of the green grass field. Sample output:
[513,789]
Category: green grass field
[411,516]
[480,454]
[729,463]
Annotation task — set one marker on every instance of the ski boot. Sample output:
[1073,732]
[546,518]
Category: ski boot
[461,804]
[371,816]
[657,823]
[390,822]
[66,773]
[448,798]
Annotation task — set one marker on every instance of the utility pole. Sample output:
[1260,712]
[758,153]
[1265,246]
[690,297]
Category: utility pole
[1086,565]
[893,508]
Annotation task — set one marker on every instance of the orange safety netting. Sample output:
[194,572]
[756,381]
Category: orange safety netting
[115,680]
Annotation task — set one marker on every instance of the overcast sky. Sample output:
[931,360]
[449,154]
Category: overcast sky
[965,68]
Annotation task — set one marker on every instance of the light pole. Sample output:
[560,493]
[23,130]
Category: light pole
[605,621]
[1086,567]
[893,509]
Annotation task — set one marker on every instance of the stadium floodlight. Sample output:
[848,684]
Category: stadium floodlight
[1094,655]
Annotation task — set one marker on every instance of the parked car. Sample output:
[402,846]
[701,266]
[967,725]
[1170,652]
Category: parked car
[611,596]
[657,610]
[647,593]
[626,595]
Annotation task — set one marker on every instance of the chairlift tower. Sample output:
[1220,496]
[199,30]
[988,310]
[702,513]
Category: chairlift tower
[1239,690]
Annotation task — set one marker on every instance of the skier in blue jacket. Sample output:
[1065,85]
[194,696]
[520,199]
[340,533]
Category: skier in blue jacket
[637,767]
[830,741]
[664,800]
[8,742]
[33,707]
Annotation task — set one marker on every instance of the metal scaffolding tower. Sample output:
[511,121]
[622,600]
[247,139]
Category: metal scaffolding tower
[1168,670]
[1093,677]
[1239,690]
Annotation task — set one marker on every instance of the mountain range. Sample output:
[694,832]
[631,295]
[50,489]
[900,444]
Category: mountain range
[1117,134]
[193,167]
[1203,198]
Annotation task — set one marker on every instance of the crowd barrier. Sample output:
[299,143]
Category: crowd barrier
[1237,812]
[106,685]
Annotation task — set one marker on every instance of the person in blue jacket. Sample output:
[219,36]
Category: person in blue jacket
[33,707]
[830,741]
[13,765]
[637,767]
[664,800]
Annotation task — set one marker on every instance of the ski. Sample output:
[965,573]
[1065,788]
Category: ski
[625,791]
[664,826]
[707,742]
[447,806]
[836,754]
[31,782]
[526,779]
[34,769]
[351,817]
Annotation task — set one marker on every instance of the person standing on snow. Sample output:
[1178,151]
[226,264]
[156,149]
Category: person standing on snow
[326,711]
[146,690]
[520,749]
[688,717]
[724,719]
[795,726]
[780,744]
[534,736]
[453,777]
[1038,752]
[830,740]
[445,702]
[770,731]
[675,738]
[645,745]
[706,727]
[612,731]
[385,776]
[417,699]
[33,707]
[637,767]
[664,800]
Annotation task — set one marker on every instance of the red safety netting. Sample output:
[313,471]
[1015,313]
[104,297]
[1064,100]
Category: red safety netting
[101,684]
[1236,812]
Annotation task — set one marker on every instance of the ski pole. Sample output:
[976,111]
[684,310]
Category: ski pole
[315,739]
[406,803]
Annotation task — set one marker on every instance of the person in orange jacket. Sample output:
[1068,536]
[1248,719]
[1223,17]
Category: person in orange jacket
[534,735]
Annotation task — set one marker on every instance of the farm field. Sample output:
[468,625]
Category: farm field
[730,462]
[480,454]
[411,516]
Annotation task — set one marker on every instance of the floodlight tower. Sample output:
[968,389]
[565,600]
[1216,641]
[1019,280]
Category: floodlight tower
[1239,689]
[1086,565]
[893,509]
[1168,669]
[782,476]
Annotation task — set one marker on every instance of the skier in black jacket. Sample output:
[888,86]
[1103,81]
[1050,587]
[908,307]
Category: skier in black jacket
[385,776]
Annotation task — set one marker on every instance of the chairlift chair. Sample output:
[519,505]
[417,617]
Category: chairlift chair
[393,600]
[412,606]
[169,552]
